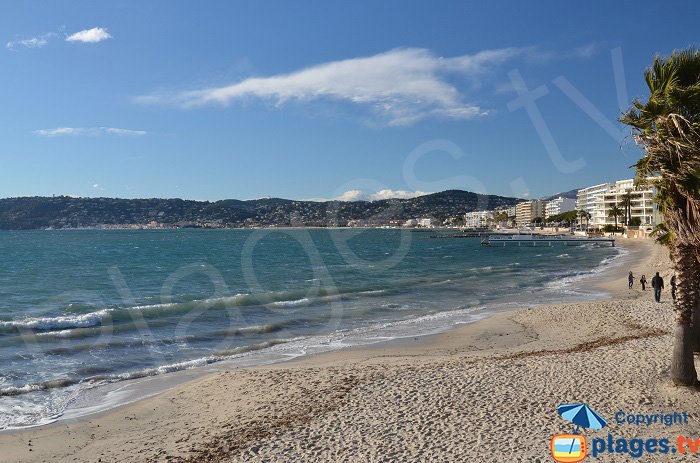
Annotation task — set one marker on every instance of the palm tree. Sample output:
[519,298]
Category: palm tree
[615,212]
[585,215]
[502,218]
[667,128]
[626,202]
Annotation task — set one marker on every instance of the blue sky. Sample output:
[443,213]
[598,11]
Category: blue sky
[318,99]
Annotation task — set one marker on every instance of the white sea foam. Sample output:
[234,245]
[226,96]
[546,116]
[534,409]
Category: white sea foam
[605,264]
[296,303]
[372,292]
[58,334]
[57,323]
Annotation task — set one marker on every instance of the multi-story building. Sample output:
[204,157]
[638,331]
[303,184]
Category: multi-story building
[559,206]
[642,204]
[523,215]
[527,211]
[478,219]
[598,200]
[590,199]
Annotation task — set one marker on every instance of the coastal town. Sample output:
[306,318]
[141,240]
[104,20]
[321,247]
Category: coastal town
[598,208]
[603,207]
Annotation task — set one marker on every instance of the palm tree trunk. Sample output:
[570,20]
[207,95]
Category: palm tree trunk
[687,274]
[696,326]
[696,309]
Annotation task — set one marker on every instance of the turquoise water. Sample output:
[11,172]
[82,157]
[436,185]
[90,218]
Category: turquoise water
[81,308]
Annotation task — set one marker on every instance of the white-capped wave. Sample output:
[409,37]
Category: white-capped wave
[296,303]
[58,334]
[57,323]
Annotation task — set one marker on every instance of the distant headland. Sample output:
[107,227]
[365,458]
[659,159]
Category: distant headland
[65,212]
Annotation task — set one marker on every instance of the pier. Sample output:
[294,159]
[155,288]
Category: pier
[544,240]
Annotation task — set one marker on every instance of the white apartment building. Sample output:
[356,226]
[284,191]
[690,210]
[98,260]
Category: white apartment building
[559,206]
[425,222]
[478,219]
[598,200]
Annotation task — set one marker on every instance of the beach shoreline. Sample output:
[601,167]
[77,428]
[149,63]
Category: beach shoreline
[130,431]
[87,399]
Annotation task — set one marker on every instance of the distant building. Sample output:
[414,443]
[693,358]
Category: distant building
[559,206]
[527,211]
[479,219]
[598,200]
[410,223]
[358,223]
[425,222]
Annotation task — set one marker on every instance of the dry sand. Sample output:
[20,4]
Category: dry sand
[479,393]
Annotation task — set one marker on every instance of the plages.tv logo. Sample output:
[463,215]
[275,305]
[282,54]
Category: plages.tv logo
[571,448]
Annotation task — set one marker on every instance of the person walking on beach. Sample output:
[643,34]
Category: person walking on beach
[673,287]
[658,284]
[630,280]
[643,282]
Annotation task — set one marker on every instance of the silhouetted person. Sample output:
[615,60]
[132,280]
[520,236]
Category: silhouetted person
[630,279]
[658,284]
[643,282]
[673,287]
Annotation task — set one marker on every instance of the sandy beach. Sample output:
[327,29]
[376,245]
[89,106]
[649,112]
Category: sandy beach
[483,392]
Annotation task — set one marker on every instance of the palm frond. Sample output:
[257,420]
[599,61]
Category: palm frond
[662,235]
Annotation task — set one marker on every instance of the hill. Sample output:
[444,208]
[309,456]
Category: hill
[67,212]
[571,194]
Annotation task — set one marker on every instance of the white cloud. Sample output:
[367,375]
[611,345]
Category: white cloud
[93,131]
[58,131]
[127,132]
[353,195]
[94,35]
[360,195]
[33,42]
[399,194]
[97,187]
[401,86]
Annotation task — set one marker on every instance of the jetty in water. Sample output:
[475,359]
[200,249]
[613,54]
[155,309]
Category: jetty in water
[544,240]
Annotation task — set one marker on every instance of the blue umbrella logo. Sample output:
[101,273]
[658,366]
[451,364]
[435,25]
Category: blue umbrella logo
[582,416]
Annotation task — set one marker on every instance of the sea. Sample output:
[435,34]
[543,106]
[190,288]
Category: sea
[82,309]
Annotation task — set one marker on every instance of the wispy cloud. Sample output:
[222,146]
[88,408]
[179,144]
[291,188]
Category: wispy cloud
[32,42]
[586,51]
[126,132]
[401,86]
[94,35]
[92,131]
[360,195]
